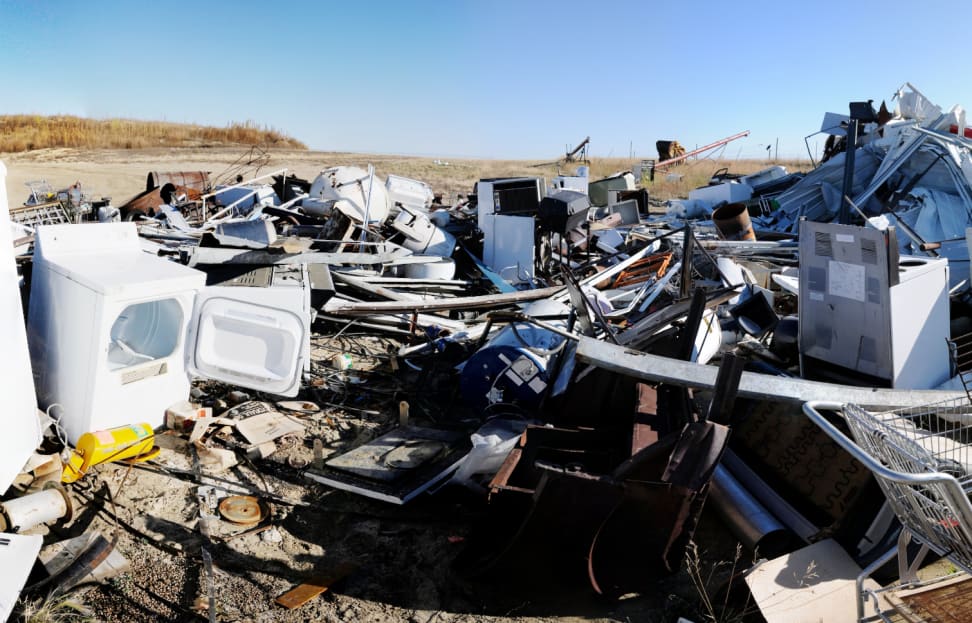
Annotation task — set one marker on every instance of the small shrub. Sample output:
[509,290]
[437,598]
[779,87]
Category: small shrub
[58,609]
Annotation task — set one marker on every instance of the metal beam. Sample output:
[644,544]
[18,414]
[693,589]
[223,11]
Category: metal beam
[345,308]
[217,255]
[689,154]
[655,368]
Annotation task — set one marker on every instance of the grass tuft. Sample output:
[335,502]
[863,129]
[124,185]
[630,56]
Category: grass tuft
[707,584]
[55,609]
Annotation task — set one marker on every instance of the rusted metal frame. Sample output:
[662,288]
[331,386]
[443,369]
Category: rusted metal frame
[726,389]
[688,242]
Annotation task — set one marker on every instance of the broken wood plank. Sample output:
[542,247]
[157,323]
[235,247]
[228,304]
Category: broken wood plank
[463,302]
[658,369]
[302,593]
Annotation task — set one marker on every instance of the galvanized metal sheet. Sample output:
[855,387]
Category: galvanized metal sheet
[752,385]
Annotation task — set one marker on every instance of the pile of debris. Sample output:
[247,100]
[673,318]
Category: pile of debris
[545,348]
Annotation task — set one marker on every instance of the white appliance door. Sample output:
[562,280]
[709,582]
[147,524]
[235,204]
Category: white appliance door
[246,344]
[17,555]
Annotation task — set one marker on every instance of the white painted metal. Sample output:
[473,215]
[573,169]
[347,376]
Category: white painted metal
[727,191]
[920,324]
[506,244]
[247,344]
[354,192]
[421,236]
[411,194]
[17,555]
[513,248]
[108,328]
[252,335]
[21,432]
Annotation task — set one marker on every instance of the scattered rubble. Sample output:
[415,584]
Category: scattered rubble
[565,367]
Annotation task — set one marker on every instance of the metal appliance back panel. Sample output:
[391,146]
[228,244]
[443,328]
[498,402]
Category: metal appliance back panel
[845,297]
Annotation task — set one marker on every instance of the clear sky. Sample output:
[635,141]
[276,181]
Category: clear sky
[500,78]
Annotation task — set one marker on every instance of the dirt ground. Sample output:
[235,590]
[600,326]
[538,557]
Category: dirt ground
[120,174]
[401,554]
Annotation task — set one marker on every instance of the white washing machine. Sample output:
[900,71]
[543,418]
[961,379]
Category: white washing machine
[115,332]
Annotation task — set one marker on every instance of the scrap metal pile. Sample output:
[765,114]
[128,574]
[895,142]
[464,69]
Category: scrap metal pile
[548,346]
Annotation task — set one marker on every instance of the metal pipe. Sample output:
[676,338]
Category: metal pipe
[754,526]
[849,151]
[769,498]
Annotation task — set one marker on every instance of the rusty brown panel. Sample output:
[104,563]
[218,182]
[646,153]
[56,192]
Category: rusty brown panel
[644,432]
[196,180]
[152,199]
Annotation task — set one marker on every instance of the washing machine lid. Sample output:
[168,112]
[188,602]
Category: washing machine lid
[248,344]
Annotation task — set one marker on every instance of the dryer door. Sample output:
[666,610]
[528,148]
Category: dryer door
[247,344]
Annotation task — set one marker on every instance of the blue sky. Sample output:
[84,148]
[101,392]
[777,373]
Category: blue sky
[499,78]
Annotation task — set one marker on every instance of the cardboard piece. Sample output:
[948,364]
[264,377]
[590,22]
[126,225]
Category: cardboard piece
[812,584]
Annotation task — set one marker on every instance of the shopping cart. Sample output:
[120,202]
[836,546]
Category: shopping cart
[922,459]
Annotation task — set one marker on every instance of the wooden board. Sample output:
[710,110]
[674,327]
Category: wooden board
[302,593]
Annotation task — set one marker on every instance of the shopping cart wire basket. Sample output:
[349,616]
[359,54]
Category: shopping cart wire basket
[921,458]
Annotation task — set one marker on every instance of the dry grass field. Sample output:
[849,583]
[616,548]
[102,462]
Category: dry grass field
[20,133]
[111,157]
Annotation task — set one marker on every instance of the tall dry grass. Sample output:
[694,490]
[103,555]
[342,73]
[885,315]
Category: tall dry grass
[19,133]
